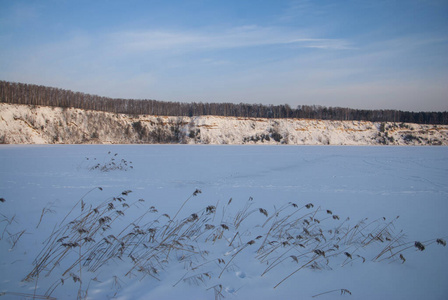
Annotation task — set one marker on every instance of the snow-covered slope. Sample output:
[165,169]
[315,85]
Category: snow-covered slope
[22,124]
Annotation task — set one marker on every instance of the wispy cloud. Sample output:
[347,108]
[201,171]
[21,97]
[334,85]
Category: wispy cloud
[297,51]
[238,37]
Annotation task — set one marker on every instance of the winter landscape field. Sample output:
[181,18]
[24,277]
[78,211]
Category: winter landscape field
[223,222]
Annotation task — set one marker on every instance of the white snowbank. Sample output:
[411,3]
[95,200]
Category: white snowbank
[21,124]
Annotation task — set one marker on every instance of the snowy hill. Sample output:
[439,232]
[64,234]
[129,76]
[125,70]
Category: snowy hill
[25,124]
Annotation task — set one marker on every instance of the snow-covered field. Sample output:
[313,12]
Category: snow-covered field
[41,184]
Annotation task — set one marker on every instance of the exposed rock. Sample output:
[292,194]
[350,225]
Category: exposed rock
[24,124]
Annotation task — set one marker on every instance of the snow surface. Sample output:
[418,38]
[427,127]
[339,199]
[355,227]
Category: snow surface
[355,182]
[26,124]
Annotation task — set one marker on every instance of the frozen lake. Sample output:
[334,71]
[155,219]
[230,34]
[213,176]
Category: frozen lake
[355,182]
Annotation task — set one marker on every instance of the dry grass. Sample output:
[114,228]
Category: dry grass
[110,162]
[341,291]
[289,239]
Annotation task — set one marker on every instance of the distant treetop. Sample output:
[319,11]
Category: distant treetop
[30,94]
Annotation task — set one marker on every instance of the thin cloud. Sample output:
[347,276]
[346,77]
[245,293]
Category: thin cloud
[151,40]
[238,37]
[255,63]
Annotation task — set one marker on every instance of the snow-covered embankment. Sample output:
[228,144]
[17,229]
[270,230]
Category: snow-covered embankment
[24,124]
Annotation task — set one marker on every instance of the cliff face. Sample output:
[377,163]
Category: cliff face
[23,124]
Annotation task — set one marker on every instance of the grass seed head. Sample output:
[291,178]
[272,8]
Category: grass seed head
[441,242]
[263,211]
[361,257]
[82,230]
[419,246]
[70,244]
[192,218]
[75,277]
[104,220]
[402,258]
[61,239]
[210,209]
[345,291]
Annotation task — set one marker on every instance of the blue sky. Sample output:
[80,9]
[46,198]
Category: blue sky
[361,54]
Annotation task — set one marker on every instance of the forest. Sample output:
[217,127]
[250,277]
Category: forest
[31,94]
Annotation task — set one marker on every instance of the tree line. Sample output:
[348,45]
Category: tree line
[30,94]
